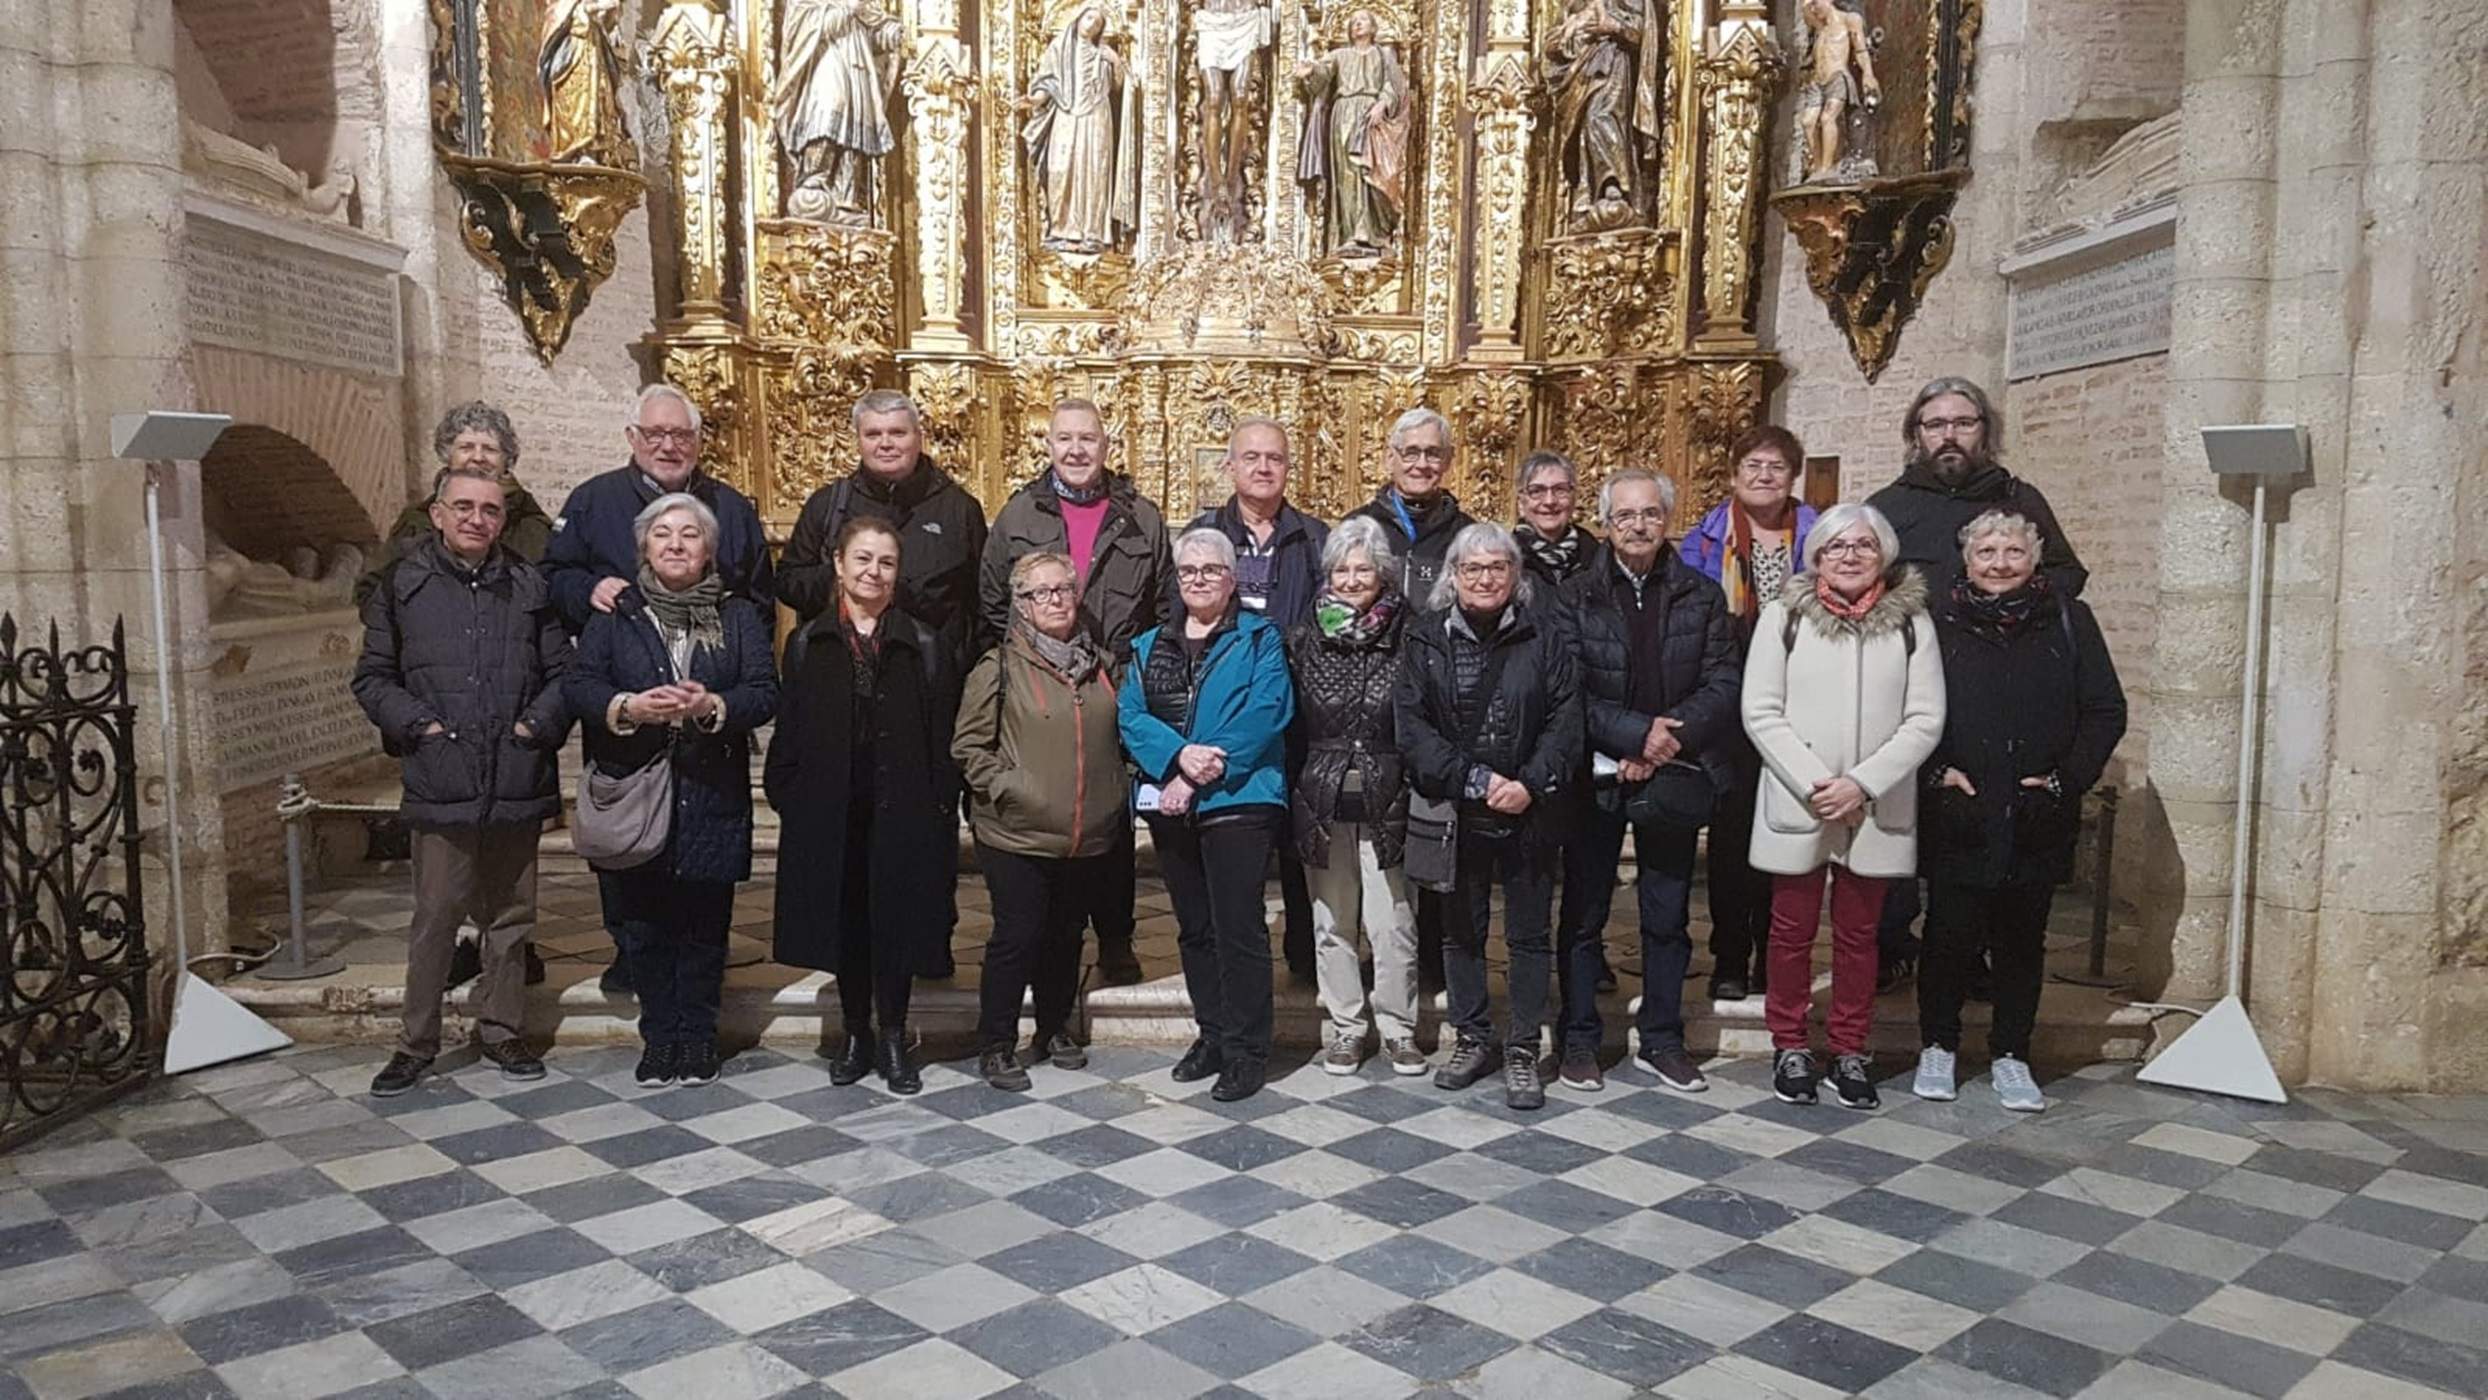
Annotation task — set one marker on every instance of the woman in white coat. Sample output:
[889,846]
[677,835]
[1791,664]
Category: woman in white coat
[1844,698]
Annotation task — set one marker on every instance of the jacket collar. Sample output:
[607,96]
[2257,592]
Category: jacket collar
[922,483]
[1990,482]
[1904,597]
[1119,493]
[699,484]
[432,559]
[1229,520]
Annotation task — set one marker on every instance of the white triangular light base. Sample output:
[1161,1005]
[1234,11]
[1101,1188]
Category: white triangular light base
[210,1028]
[2220,1055]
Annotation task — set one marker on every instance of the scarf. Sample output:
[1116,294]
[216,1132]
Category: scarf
[1558,558]
[1075,657]
[1341,622]
[1847,609]
[1997,616]
[692,612]
[1736,575]
[1091,496]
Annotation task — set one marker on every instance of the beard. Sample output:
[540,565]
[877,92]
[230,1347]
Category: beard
[1951,465]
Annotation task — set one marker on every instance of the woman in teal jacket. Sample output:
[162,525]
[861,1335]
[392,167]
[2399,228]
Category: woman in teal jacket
[1205,707]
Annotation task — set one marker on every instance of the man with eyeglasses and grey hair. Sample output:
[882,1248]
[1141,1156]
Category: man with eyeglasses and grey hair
[1422,517]
[594,555]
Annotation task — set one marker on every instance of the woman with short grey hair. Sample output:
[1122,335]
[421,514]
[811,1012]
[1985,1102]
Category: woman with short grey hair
[1551,537]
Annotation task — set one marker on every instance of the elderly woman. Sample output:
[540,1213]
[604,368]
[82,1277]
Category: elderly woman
[1490,720]
[1351,798]
[859,772]
[1552,542]
[1037,747]
[1844,697]
[2033,709]
[1204,712]
[1748,544]
[678,673]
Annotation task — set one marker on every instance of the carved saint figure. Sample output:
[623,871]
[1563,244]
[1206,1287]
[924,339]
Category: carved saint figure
[1228,37]
[1839,74]
[1355,148]
[1082,139]
[1604,71]
[578,64]
[837,69]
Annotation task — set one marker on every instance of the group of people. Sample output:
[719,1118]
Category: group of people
[1402,712]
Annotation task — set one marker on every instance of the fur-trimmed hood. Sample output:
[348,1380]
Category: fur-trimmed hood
[1904,597]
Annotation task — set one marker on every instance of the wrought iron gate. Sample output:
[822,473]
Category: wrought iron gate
[73,934]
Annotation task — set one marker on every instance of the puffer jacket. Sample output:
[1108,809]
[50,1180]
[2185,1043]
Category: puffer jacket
[1042,755]
[477,652]
[1699,668]
[1531,730]
[1830,698]
[1422,552]
[1344,720]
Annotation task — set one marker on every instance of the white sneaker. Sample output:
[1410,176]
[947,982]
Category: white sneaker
[2015,1089]
[1934,1075]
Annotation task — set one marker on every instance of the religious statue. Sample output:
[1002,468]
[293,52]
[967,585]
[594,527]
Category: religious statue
[1604,67]
[1355,147]
[1838,80]
[838,67]
[1228,37]
[1083,138]
[578,63]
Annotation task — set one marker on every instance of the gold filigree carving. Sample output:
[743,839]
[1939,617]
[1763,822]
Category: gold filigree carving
[940,84]
[945,395]
[547,230]
[707,374]
[1092,281]
[1361,286]
[1228,301]
[827,287]
[1870,252]
[1488,410]
[1721,401]
[1737,85]
[695,64]
[1607,294]
[1502,97]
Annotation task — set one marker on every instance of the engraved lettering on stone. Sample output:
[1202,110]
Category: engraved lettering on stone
[253,293]
[2111,312]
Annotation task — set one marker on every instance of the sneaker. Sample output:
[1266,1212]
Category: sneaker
[656,1067]
[1406,1059]
[1727,986]
[1001,1069]
[1061,1051]
[1853,1083]
[1239,1079]
[2015,1089]
[1198,1063]
[1934,1079]
[697,1063]
[1117,964]
[1792,1076]
[1580,1071]
[1470,1062]
[1521,1089]
[1346,1053]
[1675,1069]
[515,1059]
[399,1074]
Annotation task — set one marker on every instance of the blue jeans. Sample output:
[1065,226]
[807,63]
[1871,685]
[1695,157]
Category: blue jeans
[1665,888]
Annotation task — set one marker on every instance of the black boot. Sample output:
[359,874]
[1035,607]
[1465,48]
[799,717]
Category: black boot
[895,1070]
[851,1064]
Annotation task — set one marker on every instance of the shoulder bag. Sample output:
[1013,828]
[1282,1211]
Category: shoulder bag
[624,820]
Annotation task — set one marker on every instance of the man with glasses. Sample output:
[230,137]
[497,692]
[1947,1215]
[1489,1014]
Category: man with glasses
[1413,506]
[595,551]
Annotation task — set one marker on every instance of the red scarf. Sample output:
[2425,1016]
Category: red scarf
[1847,609]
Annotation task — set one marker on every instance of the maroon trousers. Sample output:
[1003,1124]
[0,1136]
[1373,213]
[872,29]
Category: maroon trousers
[1796,916]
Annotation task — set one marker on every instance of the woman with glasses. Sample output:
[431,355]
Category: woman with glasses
[1205,708]
[1037,747]
[1844,697]
[1748,544]
[1490,721]
[1553,544]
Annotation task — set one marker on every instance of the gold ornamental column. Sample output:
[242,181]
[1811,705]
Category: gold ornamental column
[695,66]
[940,84]
[1503,92]
[1738,80]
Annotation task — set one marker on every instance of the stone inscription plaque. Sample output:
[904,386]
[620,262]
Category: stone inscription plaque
[2114,311]
[282,704]
[253,292]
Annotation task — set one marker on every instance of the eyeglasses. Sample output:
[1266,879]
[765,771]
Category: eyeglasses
[1201,573]
[1486,568]
[1647,515]
[1046,593]
[1765,467]
[1837,548]
[1547,490]
[1437,455]
[490,510]
[681,437]
[1949,425]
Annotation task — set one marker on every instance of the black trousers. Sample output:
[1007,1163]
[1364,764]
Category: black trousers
[2008,924]
[1038,904]
[1296,897]
[1901,907]
[1113,888]
[873,984]
[1664,895]
[1740,895]
[1213,876]
[673,932]
[1528,873]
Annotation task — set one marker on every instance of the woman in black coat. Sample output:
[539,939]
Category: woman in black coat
[858,771]
[678,670]
[2033,711]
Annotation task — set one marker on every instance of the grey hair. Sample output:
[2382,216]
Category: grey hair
[1415,418]
[1209,538]
[665,505]
[1539,463]
[442,478]
[663,390]
[1936,389]
[1483,537]
[1360,534]
[883,401]
[1999,522]
[1026,566]
[1257,420]
[471,415]
[1840,520]
[1606,489]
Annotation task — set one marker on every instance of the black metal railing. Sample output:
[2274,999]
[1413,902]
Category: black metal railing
[73,933]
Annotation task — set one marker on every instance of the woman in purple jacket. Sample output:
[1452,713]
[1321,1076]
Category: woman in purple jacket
[1749,544]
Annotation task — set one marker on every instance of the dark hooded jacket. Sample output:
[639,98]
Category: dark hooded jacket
[593,540]
[1296,541]
[1927,514]
[1345,720]
[1422,553]
[941,544]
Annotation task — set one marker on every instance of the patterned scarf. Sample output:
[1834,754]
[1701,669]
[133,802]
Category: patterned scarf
[1997,616]
[1560,558]
[1341,622]
[1078,497]
[1075,657]
[688,612]
[1736,575]
[1847,609]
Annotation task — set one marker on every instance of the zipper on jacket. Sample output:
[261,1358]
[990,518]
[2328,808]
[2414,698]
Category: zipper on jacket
[1079,767]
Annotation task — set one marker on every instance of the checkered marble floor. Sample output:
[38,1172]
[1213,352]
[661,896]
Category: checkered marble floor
[264,1229]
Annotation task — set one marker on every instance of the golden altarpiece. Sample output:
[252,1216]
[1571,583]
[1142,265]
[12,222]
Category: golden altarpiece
[1539,216]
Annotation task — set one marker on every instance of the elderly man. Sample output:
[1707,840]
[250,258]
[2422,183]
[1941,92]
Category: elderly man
[478,435]
[462,659]
[595,555]
[1116,540]
[1278,573]
[1660,675]
[1413,505]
